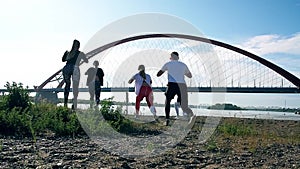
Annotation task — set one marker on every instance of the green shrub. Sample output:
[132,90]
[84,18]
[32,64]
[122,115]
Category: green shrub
[18,96]
[58,119]
[39,118]
[105,121]
[14,123]
[108,121]
[115,118]
[94,124]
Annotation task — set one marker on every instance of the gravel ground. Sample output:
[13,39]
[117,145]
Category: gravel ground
[83,152]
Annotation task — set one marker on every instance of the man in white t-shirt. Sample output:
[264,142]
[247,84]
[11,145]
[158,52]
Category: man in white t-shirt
[177,86]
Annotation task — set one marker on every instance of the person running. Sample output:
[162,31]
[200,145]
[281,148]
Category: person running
[143,89]
[71,69]
[176,86]
[94,82]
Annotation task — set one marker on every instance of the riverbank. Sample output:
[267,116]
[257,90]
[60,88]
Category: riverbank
[236,143]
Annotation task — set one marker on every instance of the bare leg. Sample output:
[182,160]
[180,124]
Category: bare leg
[75,93]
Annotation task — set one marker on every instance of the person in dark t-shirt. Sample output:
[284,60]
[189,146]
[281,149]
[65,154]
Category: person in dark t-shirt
[94,82]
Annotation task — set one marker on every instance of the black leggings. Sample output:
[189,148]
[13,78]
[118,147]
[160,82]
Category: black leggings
[179,89]
[70,71]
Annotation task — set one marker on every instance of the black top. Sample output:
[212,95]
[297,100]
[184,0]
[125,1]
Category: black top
[94,76]
[75,60]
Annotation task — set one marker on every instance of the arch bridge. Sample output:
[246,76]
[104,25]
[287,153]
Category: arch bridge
[216,66]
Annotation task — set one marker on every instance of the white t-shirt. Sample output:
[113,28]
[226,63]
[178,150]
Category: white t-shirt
[139,82]
[176,71]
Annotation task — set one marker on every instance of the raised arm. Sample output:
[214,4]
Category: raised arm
[130,80]
[189,75]
[159,73]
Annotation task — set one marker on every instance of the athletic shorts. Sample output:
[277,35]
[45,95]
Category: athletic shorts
[179,89]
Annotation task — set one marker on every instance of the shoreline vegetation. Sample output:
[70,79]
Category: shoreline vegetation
[48,136]
[20,117]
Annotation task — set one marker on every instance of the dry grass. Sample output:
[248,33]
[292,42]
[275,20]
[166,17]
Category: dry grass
[241,135]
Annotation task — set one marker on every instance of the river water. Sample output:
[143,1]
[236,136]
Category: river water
[215,113]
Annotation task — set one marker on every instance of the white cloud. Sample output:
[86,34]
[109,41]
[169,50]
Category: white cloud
[269,44]
[283,51]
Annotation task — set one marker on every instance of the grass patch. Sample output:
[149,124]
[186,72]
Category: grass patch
[236,130]
[249,134]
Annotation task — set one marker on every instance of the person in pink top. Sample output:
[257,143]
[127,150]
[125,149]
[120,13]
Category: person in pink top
[143,89]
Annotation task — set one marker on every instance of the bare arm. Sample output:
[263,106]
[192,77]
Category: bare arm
[189,75]
[65,56]
[130,80]
[87,72]
[159,73]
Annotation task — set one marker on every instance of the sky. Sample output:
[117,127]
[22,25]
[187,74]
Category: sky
[35,33]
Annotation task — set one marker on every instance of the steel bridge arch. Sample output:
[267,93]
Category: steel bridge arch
[287,75]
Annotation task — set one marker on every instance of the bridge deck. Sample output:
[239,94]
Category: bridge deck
[190,89]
